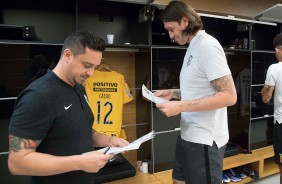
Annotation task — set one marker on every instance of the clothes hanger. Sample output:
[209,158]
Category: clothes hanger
[103,68]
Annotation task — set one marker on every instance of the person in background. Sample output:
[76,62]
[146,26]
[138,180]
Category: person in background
[273,84]
[50,135]
[206,89]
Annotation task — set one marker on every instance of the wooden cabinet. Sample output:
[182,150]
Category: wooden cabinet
[52,22]
[260,160]
[150,47]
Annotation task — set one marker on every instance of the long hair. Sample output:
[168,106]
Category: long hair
[174,12]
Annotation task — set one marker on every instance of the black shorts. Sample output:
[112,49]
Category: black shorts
[277,143]
[197,163]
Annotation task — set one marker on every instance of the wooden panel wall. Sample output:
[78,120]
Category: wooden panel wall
[124,63]
[248,8]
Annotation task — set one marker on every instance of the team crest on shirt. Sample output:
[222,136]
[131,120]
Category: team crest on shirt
[189,60]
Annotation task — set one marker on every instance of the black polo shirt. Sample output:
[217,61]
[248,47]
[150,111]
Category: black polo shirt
[58,114]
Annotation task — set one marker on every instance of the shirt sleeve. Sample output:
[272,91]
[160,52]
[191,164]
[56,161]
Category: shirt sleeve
[31,117]
[127,96]
[270,76]
[214,62]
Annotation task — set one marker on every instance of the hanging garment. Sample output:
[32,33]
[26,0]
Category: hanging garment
[107,91]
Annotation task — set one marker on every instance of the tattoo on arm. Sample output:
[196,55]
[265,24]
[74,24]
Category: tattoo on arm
[177,94]
[222,84]
[16,143]
[195,102]
[267,89]
[267,93]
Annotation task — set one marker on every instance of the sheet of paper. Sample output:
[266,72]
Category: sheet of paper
[132,146]
[150,96]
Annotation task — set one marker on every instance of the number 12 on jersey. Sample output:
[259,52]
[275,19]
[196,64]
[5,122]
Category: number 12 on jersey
[109,108]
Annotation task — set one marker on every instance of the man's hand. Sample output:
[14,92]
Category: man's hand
[166,94]
[93,161]
[118,142]
[171,108]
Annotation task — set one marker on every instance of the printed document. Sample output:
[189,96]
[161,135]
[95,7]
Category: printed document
[132,146]
[150,96]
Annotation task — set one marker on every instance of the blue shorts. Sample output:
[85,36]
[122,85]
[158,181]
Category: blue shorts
[197,163]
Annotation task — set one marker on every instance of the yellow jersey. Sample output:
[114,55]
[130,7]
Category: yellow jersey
[107,92]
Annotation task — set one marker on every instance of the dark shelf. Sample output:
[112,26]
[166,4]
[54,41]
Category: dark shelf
[23,42]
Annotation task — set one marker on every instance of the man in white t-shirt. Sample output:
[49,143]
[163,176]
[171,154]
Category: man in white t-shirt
[273,84]
[206,89]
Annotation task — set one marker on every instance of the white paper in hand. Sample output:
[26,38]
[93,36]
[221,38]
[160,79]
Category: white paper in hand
[132,146]
[150,96]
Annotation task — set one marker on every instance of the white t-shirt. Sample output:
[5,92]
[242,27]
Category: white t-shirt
[204,61]
[274,78]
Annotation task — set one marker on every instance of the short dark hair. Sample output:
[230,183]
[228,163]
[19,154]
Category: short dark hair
[277,40]
[79,40]
[175,10]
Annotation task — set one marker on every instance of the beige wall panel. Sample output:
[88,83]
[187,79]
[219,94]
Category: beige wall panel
[131,156]
[124,63]
[245,8]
